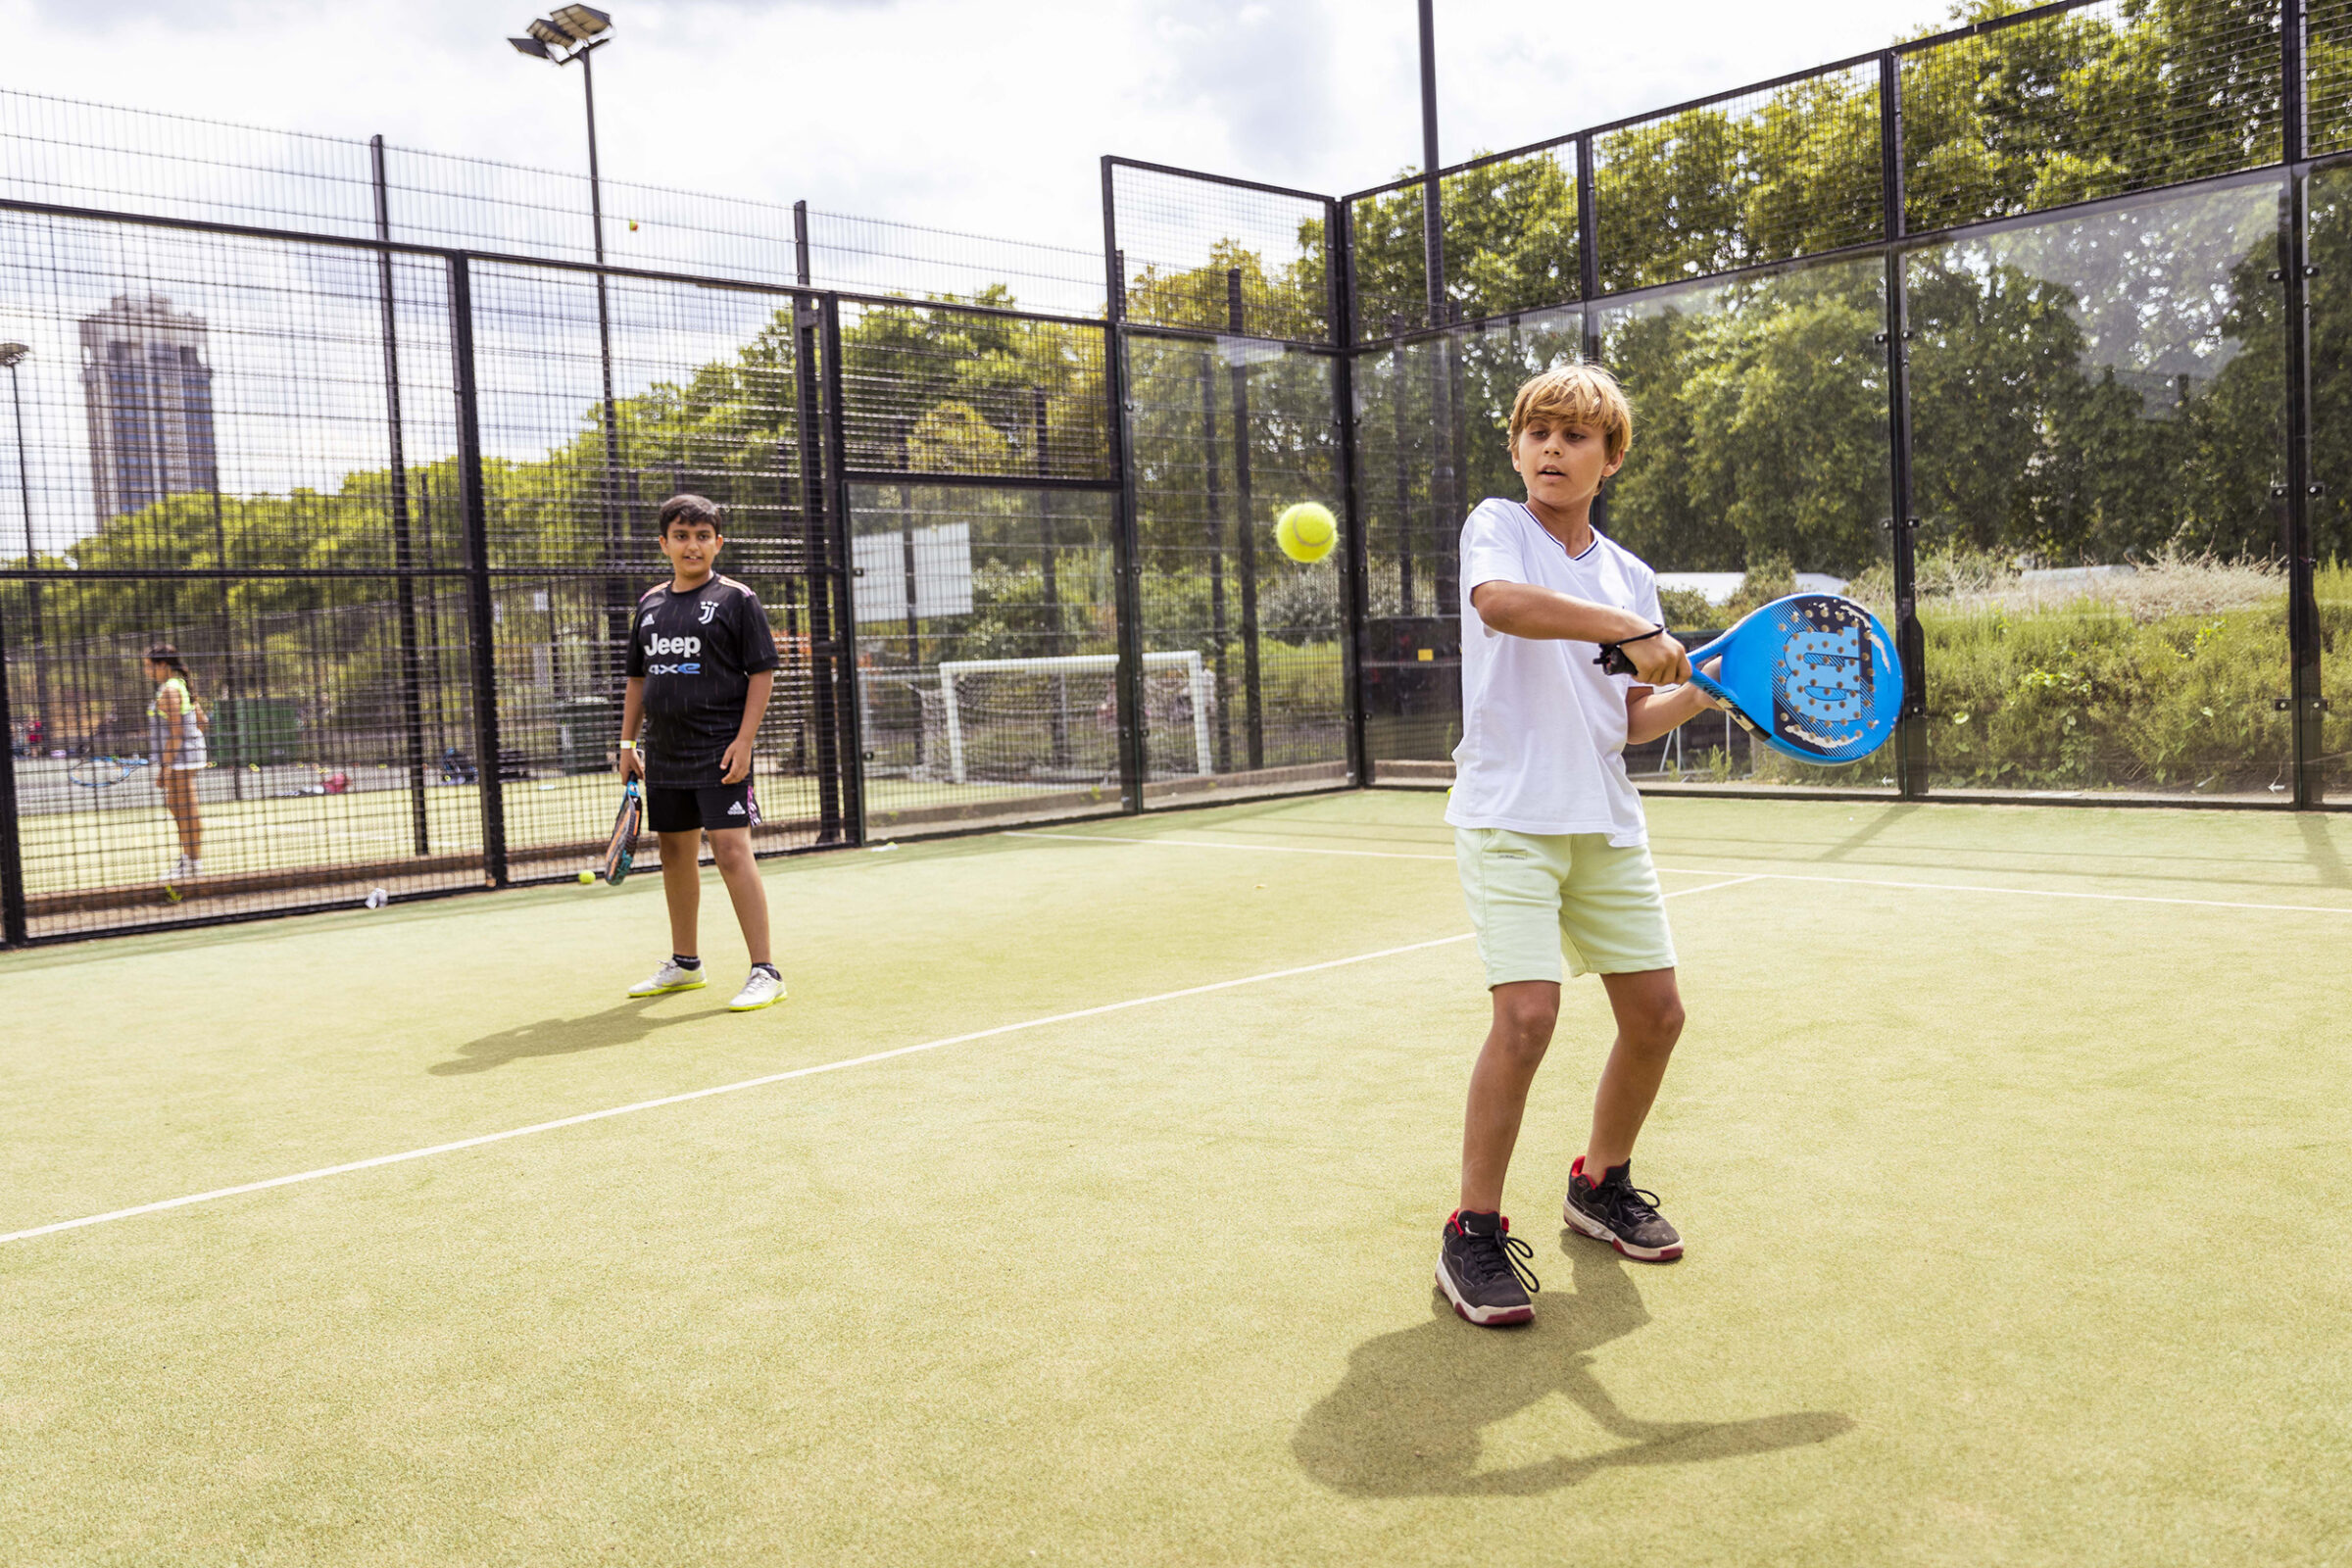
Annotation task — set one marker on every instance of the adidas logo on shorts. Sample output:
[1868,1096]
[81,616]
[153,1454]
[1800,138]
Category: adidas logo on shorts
[736,809]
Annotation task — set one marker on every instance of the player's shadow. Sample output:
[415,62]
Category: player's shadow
[1406,1420]
[2325,858]
[623,1025]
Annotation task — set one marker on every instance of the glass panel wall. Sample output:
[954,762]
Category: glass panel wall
[987,655]
[2098,414]
[1243,679]
[1759,466]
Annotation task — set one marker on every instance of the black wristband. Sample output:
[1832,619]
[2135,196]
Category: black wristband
[1654,631]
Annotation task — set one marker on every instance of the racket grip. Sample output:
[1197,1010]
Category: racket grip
[1612,660]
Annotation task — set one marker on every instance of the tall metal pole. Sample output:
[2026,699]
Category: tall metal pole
[837,509]
[1443,497]
[1245,531]
[1213,503]
[484,638]
[13,914]
[1432,222]
[33,585]
[2307,707]
[1338,272]
[411,696]
[617,590]
[1911,729]
[1048,541]
[1127,554]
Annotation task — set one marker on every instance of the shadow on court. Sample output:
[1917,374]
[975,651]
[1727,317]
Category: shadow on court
[1406,1420]
[2324,858]
[623,1025]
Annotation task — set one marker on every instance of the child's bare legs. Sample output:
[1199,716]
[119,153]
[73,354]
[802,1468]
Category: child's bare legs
[682,886]
[179,798]
[1649,1020]
[1525,1011]
[731,847]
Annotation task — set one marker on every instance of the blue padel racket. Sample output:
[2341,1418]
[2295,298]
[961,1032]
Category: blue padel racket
[99,772]
[1813,675]
[622,851]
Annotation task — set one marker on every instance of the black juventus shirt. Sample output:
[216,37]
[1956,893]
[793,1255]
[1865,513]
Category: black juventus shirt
[697,653]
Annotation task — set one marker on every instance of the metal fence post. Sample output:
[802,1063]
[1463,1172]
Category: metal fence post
[1911,730]
[1127,552]
[13,921]
[837,533]
[1253,725]
[2306,704]
[1587,281]
[476,511]
[829,647]
[411,685]
[1340,273]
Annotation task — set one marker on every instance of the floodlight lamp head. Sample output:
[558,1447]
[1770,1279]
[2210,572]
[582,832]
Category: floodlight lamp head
[531,46]
[580,22]
[10,353]
[549,35]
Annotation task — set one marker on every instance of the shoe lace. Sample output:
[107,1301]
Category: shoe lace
[1489,1257]
[1631,1205]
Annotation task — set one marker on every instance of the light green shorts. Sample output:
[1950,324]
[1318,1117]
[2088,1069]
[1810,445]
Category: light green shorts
[1533,894]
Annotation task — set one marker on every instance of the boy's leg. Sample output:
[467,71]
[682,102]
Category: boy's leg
[1649,1020]
[731,848]
[1525,1011]
[682,887]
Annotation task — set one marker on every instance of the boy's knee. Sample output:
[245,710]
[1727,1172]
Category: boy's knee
[1525,1016]
[1659,1025]
[732,848]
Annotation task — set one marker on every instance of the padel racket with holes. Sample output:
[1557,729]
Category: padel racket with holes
[99,772]
[622,851]
[1812,675]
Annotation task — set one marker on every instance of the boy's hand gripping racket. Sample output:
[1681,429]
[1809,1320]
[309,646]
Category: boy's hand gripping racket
[1812,675]
[623,849]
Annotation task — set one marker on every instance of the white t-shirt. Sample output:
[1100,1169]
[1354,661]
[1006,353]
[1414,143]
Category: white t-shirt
[1543,726]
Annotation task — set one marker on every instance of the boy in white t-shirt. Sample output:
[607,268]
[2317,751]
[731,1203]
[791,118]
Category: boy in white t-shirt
[1548,831]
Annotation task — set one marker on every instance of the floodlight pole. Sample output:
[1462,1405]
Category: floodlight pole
[1433,250]
[616,605]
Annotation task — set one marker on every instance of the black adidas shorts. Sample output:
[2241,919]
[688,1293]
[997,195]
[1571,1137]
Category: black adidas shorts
[714,807]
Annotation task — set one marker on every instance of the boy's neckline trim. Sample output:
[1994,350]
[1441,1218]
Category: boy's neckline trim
[1547,533]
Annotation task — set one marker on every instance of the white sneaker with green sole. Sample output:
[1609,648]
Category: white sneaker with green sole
[671,976]
[762,990]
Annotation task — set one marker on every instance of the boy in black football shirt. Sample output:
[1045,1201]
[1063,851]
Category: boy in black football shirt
[702,664]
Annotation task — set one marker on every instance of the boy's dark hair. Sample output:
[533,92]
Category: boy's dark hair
[691,509]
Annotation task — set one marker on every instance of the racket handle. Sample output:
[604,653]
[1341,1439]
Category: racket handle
[1612,660]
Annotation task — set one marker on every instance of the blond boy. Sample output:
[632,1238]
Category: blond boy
[1549,832]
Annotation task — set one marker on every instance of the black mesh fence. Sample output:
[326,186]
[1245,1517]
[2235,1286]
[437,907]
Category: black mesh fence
[383,472]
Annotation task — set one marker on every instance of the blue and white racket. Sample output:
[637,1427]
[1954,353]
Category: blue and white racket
[1812,675]
[102,773]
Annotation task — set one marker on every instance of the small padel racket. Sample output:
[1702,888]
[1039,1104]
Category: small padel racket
[622,851]
[98,773]
[1812,675]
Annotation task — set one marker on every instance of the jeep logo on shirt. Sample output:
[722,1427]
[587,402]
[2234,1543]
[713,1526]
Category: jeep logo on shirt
[659,643]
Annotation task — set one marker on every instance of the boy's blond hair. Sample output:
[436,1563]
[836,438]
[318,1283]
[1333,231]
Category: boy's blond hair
[1577,395]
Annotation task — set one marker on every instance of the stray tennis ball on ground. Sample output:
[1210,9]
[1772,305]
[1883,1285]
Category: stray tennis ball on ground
[587,877]
[1307,531]
[377,898]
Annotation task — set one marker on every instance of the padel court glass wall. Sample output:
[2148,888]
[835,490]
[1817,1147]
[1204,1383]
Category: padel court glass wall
[2033,335]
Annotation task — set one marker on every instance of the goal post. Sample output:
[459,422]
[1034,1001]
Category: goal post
[1198,686]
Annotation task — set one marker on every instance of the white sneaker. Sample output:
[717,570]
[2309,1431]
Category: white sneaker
[762,990]
[671,976]
[184,869]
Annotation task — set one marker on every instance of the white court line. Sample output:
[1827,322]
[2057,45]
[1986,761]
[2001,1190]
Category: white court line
[752,1082]
[1711,870]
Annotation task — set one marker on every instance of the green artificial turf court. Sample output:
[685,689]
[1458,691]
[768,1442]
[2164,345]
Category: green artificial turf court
[2016,1222]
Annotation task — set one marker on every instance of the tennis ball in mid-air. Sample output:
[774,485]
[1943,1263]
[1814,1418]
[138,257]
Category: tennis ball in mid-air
[587,877]
[1307,531]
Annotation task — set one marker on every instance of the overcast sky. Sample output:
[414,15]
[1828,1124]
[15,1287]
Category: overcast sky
[976,115]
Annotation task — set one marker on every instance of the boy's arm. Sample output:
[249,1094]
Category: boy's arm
[738,757]
[1650,714]
[1522,609]
[632,719]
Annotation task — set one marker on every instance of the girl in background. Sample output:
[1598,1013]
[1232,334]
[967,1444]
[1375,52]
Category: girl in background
[176,724]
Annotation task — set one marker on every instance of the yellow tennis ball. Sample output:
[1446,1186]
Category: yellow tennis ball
[587,876]
[1307,531]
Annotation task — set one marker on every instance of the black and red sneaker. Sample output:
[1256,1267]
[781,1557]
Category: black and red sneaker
[1481,1269]
[1616,1211]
